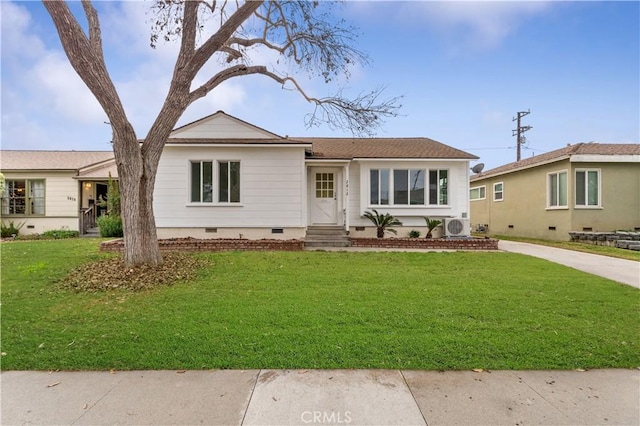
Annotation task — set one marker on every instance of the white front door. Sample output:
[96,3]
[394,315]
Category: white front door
[324,205]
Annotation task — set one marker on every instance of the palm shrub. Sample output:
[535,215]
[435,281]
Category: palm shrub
[10,230]
[431,225]
[382,222]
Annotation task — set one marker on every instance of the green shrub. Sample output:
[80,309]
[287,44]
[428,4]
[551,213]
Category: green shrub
[110,226]
[59,234]
[414,233]
[7,231]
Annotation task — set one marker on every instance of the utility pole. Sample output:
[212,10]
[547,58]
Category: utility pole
[520,130]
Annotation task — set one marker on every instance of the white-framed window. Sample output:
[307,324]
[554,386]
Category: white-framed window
[379,179]
[588,188]
[439,187]
[407,187]
[23,197]
[203,186]
[498,191]
[557,189]
[229,183]
[478,193]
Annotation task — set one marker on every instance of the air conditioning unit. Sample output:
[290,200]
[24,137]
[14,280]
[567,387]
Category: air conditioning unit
[457,227]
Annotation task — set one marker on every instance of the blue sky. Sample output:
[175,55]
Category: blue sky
[464,69]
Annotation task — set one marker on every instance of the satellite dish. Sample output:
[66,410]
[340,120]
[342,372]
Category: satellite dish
[477,168]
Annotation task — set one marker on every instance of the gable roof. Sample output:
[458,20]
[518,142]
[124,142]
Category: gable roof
[590,148]
[349,148]
[232,126]
[52,160]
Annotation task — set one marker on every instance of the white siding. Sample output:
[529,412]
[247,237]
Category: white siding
[221,127]
[61,202]
[272,188]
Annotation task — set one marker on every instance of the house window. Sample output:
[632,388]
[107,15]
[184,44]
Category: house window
[498,191]
[325,185]
[229,183]
[202,184]
[23,197]
[408,187]
[477,193]
[379,187]
[201,181]
[438,187]
[557,189]
[588,188]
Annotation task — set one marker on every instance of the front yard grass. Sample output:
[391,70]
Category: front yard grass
[318,310]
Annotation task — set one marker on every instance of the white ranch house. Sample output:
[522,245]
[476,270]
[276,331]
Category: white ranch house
[221,177]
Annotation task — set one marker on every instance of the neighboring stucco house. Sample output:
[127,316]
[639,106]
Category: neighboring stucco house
[47,190]
[221,177]
[582,187]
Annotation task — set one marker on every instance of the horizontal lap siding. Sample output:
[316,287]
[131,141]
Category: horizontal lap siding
[272,185]
[61,192]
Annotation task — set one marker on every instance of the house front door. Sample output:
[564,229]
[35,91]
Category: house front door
[324,205]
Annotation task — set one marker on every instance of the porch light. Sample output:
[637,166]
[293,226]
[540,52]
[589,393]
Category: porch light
[87,185]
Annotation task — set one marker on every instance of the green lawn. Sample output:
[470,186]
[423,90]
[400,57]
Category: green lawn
[319,310]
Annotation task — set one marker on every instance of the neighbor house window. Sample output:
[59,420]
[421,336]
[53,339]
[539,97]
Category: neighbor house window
[588,188]
[229,183]
[379,187]
[201,181]
[439,187]
[498,191]
[23,197]
[557,189]
[477,193]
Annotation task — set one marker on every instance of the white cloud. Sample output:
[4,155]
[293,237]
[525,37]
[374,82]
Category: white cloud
[463,24]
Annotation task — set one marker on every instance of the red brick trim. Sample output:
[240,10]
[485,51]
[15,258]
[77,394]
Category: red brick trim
[427,243]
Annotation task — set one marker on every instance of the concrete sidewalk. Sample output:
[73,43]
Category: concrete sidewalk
[303,397]
[620,270]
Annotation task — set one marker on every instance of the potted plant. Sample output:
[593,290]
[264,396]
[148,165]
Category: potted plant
[382,222]
[431,225]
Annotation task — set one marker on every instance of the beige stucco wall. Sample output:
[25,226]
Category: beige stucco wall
[524,212]
[620,192]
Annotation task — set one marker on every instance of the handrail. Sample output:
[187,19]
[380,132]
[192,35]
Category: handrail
[88,219]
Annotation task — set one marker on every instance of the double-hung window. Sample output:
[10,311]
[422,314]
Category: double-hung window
[498,191]
[25,197]
[557,189]
[408,187]
[477,193]
[204,188]
[588,188]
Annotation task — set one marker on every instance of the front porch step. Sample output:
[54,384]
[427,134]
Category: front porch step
[326,236]
[92,233]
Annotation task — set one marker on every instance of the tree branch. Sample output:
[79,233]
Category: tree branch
[95,37]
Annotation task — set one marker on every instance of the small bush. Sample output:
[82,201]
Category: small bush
[8,231]
[110,226]
[414,234]
[59,234]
